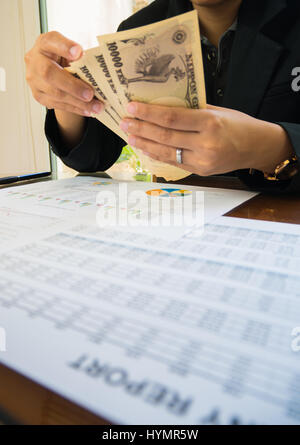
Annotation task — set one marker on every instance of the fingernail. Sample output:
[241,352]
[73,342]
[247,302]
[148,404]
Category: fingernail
[132,108]
[87,94]
[75,51]
[87,113]
[97,108]
[132,140]
[124,126]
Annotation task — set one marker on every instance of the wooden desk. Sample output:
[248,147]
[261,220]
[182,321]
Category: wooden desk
[29,403]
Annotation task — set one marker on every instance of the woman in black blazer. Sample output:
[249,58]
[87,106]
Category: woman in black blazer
[251,127]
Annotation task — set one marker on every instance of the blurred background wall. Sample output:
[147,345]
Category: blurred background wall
[84,20]
[23,147]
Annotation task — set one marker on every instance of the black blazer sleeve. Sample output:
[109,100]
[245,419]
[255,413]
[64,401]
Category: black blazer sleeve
[293,131]
[257,181]
[98,149]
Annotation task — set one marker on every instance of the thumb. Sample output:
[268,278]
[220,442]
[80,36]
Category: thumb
[55,43]
[213,108]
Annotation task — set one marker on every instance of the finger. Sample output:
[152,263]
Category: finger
[55,43]
[200,170]
[57,77]
[52,104]
[168,155]
[214,108]
[95,106]
[161,152]
[169,117]
[164,136]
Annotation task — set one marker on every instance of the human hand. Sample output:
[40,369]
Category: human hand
[51,85]
[214,140]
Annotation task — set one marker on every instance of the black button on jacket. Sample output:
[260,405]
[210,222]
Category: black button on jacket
[265,51]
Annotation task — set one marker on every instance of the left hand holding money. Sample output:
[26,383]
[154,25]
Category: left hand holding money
[213,140]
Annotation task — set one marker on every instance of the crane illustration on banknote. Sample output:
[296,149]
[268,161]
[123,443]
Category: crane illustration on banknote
[156,69]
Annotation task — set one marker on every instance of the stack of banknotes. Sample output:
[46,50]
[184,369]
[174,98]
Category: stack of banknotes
[159,63]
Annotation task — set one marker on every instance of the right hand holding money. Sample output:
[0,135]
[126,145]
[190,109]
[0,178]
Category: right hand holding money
[51,85]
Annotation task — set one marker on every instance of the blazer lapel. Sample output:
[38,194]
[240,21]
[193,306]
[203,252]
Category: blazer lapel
[254,55]
[254,58]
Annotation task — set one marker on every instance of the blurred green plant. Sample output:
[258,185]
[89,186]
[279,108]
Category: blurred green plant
[128,155]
